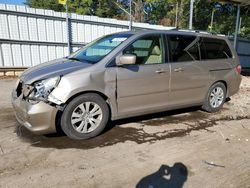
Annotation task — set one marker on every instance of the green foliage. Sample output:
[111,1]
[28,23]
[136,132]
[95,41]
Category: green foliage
[106,8]
[48,4]
[102,8]
[163,12]
[245,23]
[202,15]
[81,6]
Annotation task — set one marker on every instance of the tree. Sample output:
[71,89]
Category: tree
[202,15]
[162,12]
[138,10]
[106,8]
[83,7]
[48,4]
[102,8]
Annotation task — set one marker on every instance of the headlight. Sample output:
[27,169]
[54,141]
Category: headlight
[43,88]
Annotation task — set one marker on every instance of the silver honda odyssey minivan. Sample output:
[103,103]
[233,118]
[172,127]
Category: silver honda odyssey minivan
[126,74]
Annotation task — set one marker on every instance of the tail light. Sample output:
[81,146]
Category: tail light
[238,69]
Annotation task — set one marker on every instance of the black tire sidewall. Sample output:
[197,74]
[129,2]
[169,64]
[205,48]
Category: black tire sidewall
[66,116]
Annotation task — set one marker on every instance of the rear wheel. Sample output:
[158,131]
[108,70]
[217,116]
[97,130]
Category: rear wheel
[215,98]
[85,116]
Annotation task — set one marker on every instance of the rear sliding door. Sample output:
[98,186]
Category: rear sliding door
[189,76]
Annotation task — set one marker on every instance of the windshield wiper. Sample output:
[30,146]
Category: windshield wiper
[81,60]
[73,58]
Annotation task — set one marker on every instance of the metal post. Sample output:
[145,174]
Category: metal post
[130,15]
[240,24]
[212,20]
[237,27]
[191,14]
[68,30]
[176,15]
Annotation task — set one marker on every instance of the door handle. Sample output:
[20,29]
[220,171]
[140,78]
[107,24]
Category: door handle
[178,70]
[159,71]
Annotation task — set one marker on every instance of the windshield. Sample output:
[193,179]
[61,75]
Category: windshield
[98,49]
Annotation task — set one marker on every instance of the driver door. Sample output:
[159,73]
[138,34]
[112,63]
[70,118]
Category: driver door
[144,86]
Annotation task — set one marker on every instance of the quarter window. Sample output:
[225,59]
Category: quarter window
[148,50]
[214,49]
[183,48]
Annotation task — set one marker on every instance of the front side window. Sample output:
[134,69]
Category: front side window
[97,50]
[183,48]
[214,49]
[148,50]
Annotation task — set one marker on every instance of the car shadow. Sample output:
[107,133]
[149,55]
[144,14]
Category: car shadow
[166,176]
[115,133]
[168,115]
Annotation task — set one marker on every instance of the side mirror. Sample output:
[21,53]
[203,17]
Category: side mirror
[127,59]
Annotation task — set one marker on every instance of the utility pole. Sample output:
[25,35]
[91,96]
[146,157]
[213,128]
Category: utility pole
[68,29]
[212,20]
[176,14]
[130,15]
[237,27]
[191,11]
[68,26]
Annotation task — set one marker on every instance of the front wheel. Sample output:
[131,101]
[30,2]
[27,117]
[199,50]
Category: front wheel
[215,98]
[85,116]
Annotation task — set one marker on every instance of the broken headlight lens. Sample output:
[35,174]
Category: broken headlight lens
[43,88]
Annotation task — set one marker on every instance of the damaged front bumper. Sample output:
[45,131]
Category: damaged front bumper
[39,118]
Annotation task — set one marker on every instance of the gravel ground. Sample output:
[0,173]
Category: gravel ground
[182,148]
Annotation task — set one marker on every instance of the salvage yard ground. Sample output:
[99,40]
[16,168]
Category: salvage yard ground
[182,148]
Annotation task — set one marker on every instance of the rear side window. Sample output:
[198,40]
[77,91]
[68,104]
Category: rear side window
[183,48]
[214,49]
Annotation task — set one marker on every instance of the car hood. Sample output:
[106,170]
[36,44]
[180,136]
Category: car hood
[58,67]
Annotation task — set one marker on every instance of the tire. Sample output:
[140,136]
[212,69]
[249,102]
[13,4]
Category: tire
[210,106]
[85,116]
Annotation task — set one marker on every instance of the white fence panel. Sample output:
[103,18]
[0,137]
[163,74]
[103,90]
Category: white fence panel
[1,57]
[13,26]
[7,55]
[80,32]
[52,52]
[23,28]
[41,26]
[50,30]
[64,32]
[26,54]
[4,29]
[59,52]
[44,53]
[74,32]
[17,56]
[58,31]
[33,29]
[35,54]
[31,36]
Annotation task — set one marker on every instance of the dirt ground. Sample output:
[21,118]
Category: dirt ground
[183,148]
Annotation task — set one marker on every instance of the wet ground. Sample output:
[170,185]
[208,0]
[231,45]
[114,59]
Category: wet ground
[181,148]
[117,133]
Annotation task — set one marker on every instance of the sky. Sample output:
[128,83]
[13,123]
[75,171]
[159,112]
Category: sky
[15,2]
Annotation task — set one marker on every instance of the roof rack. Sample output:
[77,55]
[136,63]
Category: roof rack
[194,31]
